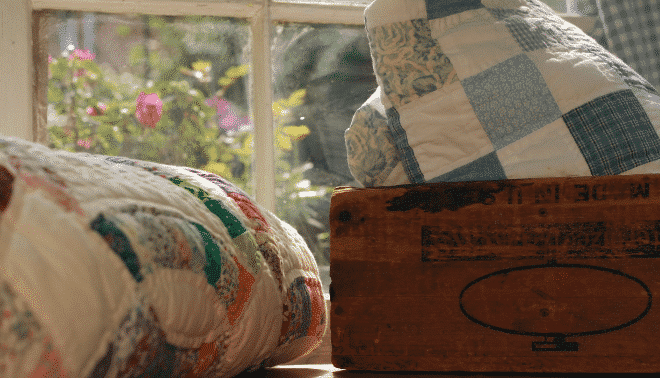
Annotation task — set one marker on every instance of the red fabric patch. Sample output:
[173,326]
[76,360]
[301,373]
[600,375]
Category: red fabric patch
[6,187]
[208,352]
[317,324]
[250,210]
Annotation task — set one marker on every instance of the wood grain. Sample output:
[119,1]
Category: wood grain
[538,275]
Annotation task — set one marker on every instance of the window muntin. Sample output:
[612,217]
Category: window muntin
[343,12]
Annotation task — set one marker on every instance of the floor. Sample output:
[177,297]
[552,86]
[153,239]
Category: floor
[329,371]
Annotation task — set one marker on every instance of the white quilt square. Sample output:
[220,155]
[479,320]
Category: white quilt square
[381,13]
[443,131]
[547,152]
[575,78]
[474,41]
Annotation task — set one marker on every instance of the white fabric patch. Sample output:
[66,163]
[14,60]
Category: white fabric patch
[398,176]
[474,41]
[547,152]
[77,287]
[187,307]
[575,78]
[443,131]
[385,12]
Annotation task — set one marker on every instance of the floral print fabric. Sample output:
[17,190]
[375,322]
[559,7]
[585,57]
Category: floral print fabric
[199,289]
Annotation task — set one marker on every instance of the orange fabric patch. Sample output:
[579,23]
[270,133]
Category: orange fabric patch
[246,280]
[207,354]
[250,210]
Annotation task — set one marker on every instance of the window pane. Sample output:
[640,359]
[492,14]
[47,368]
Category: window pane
[166,89]
[322,75]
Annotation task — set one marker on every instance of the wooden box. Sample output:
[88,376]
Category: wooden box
[538,275]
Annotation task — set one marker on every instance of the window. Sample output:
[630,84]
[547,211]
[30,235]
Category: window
[309,70]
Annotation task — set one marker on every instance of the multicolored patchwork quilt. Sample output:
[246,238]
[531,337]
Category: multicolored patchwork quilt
[495,89]
[113,267]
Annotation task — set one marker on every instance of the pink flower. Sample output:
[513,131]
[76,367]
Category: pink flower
[227,118]
[82,55]
[148,109]
[87,143]
[50,59]
[97,110]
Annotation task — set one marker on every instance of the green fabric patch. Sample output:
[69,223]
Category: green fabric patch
[119,243]
[213,256]
[233,224]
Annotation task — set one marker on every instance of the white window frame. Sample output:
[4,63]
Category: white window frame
[17,69]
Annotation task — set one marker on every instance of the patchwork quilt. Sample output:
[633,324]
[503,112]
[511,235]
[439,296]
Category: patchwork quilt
[496,89]
[113,267]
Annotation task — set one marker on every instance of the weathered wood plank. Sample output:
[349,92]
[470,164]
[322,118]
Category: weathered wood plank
[542,275]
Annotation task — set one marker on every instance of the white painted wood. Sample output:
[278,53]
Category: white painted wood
[571,7]
[16,69]
[262,99]
[347,14]
[237,8]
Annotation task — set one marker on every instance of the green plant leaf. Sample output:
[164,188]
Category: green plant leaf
[123,30]
[137,55]
[237,71]
[55,94]
[297,98]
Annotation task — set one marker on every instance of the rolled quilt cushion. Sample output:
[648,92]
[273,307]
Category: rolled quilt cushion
[115,267]
[497,89]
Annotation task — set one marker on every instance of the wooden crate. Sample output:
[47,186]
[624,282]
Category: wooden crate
[538,275]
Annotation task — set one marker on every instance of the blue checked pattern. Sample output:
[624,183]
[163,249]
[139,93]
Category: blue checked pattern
[499,91]
[406,153]
[443,8]
[526,34]
[484,168]
[632,28]
[614,133]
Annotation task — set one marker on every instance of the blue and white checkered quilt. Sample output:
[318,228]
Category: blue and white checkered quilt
[495,89]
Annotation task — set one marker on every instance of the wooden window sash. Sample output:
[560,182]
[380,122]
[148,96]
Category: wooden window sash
[23,61]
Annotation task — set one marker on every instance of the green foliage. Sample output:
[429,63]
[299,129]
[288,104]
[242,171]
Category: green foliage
[93,109]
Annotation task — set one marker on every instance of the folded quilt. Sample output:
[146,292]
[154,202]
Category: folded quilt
[113,267]
[495,89]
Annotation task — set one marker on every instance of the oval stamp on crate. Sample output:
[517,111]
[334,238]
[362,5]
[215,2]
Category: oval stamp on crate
[533,275]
